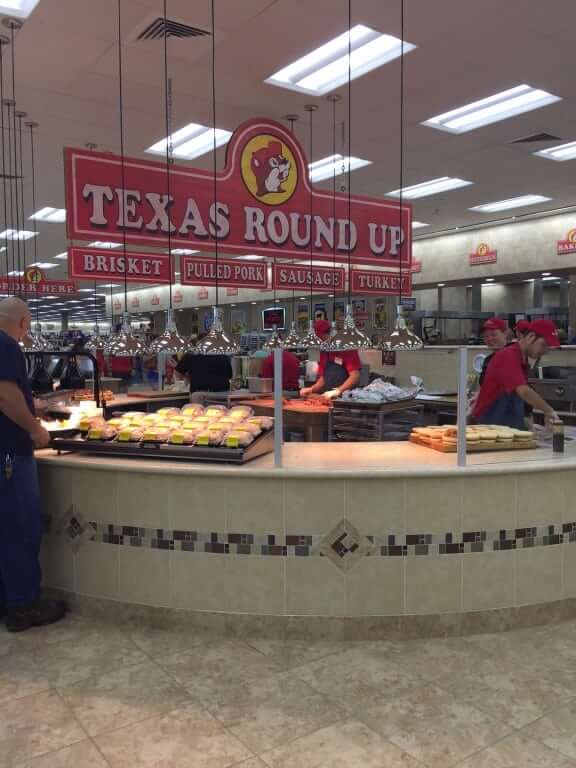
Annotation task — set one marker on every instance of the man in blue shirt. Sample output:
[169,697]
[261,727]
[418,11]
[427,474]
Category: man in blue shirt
[20,524]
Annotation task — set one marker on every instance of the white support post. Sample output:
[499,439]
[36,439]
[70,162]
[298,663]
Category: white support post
[278,393]
[462,404]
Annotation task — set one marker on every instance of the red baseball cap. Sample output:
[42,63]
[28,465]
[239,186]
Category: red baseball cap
[545,329]
[522,326]
[495,324]
[322,327]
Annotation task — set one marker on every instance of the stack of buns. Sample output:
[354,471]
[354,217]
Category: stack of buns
[477,436]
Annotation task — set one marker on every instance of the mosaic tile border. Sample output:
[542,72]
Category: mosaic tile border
[342,543]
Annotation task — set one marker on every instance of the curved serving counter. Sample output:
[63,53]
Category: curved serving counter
[346,540]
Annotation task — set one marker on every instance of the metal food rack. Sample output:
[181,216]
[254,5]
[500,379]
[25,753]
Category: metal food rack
[355,421]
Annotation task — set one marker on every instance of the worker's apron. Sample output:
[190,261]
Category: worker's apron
[507,411]
[334,374]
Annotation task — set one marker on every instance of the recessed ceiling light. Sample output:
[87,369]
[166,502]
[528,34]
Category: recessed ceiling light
[419,225]
[2,249]
[441,285]
[546,274]
[251,257]
[62,256]
[551,278]
[49,214]
[489,279]
[85,290]
[252,302]
[191,141]
[303,298]
[182,252]
[44,265]
[103,244]
[513,202]
[17,234]
[326,67]
[500,106]
[15,273]
[560,153]
[432,187]
[110,285]
[20,8]
[335,165]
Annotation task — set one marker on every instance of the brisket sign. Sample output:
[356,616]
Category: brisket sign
[98,264]
[288,277]
[370,281]
[241,274]
[262,204]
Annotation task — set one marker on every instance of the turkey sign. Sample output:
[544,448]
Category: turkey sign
[262,204]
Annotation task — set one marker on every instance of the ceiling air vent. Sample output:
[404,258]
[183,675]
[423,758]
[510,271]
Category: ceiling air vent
[535,137]
[161,28]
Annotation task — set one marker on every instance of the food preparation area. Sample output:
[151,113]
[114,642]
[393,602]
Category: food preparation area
[87,694]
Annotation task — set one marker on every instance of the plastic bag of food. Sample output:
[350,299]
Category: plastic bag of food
[182,437]
[215,411]
[134,415]
[264,422]
[191,410]
[104,432]
[240,412]
[247,426]
[130,435]
[238,438]
[206,437]
[168,412]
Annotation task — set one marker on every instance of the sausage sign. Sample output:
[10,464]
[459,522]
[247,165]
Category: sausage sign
[262,205]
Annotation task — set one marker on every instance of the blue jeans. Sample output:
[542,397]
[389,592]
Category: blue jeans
[20,532]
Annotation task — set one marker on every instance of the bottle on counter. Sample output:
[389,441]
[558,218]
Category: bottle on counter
[558,437]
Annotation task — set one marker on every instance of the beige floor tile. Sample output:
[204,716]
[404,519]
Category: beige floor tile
[432,726]
[125,696]
[517,752]
[253,762]
[265,714]
[81,755]
[438,659]
[35,725]
[212,668]
[347,744]
[557,730]
[158,642]
[295,653]
[20,677]
[185,738]
[353,678]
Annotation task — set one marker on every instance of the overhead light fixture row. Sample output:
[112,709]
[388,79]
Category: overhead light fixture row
[104,244]
[431,187]
[513,202]
[193,140]
[17,234]
[560,153]
[53,215]
[335,165]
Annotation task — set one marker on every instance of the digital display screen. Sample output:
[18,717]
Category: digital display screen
[273,317]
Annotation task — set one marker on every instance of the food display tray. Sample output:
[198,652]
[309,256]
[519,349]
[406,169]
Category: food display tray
[436,445]
[263,444]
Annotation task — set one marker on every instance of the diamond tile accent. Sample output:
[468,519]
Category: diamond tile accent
[344,546]
[74,528]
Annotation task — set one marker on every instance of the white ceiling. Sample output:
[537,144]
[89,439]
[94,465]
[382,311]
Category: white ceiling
[67,81]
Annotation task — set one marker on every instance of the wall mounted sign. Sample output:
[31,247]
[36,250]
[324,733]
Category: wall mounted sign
[416,267]
[98,264]
[289,277]
[177,297]
[231,291]
[377,283]
[33,281]
[568,245]
[117,305]
[263,204]
[135,302]
[483,255]
[196,270]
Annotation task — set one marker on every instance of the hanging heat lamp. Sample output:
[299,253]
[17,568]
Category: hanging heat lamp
[216,341]
[401,338]
[123,343]
[311,340]
[349,337]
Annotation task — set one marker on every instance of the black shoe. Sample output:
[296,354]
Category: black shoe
[36,614]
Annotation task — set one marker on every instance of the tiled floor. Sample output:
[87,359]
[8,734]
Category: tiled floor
[86,695]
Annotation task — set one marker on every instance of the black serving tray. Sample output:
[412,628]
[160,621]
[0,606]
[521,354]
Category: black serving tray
[263,444]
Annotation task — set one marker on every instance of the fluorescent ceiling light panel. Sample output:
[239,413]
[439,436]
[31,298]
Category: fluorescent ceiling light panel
[17,234]
[432,187]
[326,67]
[335,165]
[84,290]
[44,265]
[62,256]
[513,202]
[560,153]
[191,141]
[500,106]
[252,257]
[19,8]
[104,244]
[182,252]
[15,273]
[419,225]
[110,285]
[49,214]
[550,278]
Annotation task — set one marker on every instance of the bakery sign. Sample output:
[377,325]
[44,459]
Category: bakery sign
[568,245]
[33,281]
[483,255]
[260,202]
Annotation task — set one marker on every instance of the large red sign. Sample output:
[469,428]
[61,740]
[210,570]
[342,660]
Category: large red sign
[196,270]
[33,281]
[262,204]
[371,281]
[288,277]
[568,245]
[98,264]
[483,255]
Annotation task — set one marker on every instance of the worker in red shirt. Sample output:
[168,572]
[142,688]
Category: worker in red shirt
[494,336]
[505,389]
[337,371]
[290,370]
[521,328]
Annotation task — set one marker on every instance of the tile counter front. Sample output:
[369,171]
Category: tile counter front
[330,544]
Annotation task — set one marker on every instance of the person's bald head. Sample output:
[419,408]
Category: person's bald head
[14,317]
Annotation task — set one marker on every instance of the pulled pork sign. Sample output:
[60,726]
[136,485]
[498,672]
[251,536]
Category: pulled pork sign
[262,204]
[231,272]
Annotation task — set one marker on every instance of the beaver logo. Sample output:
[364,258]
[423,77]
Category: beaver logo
[269,169]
